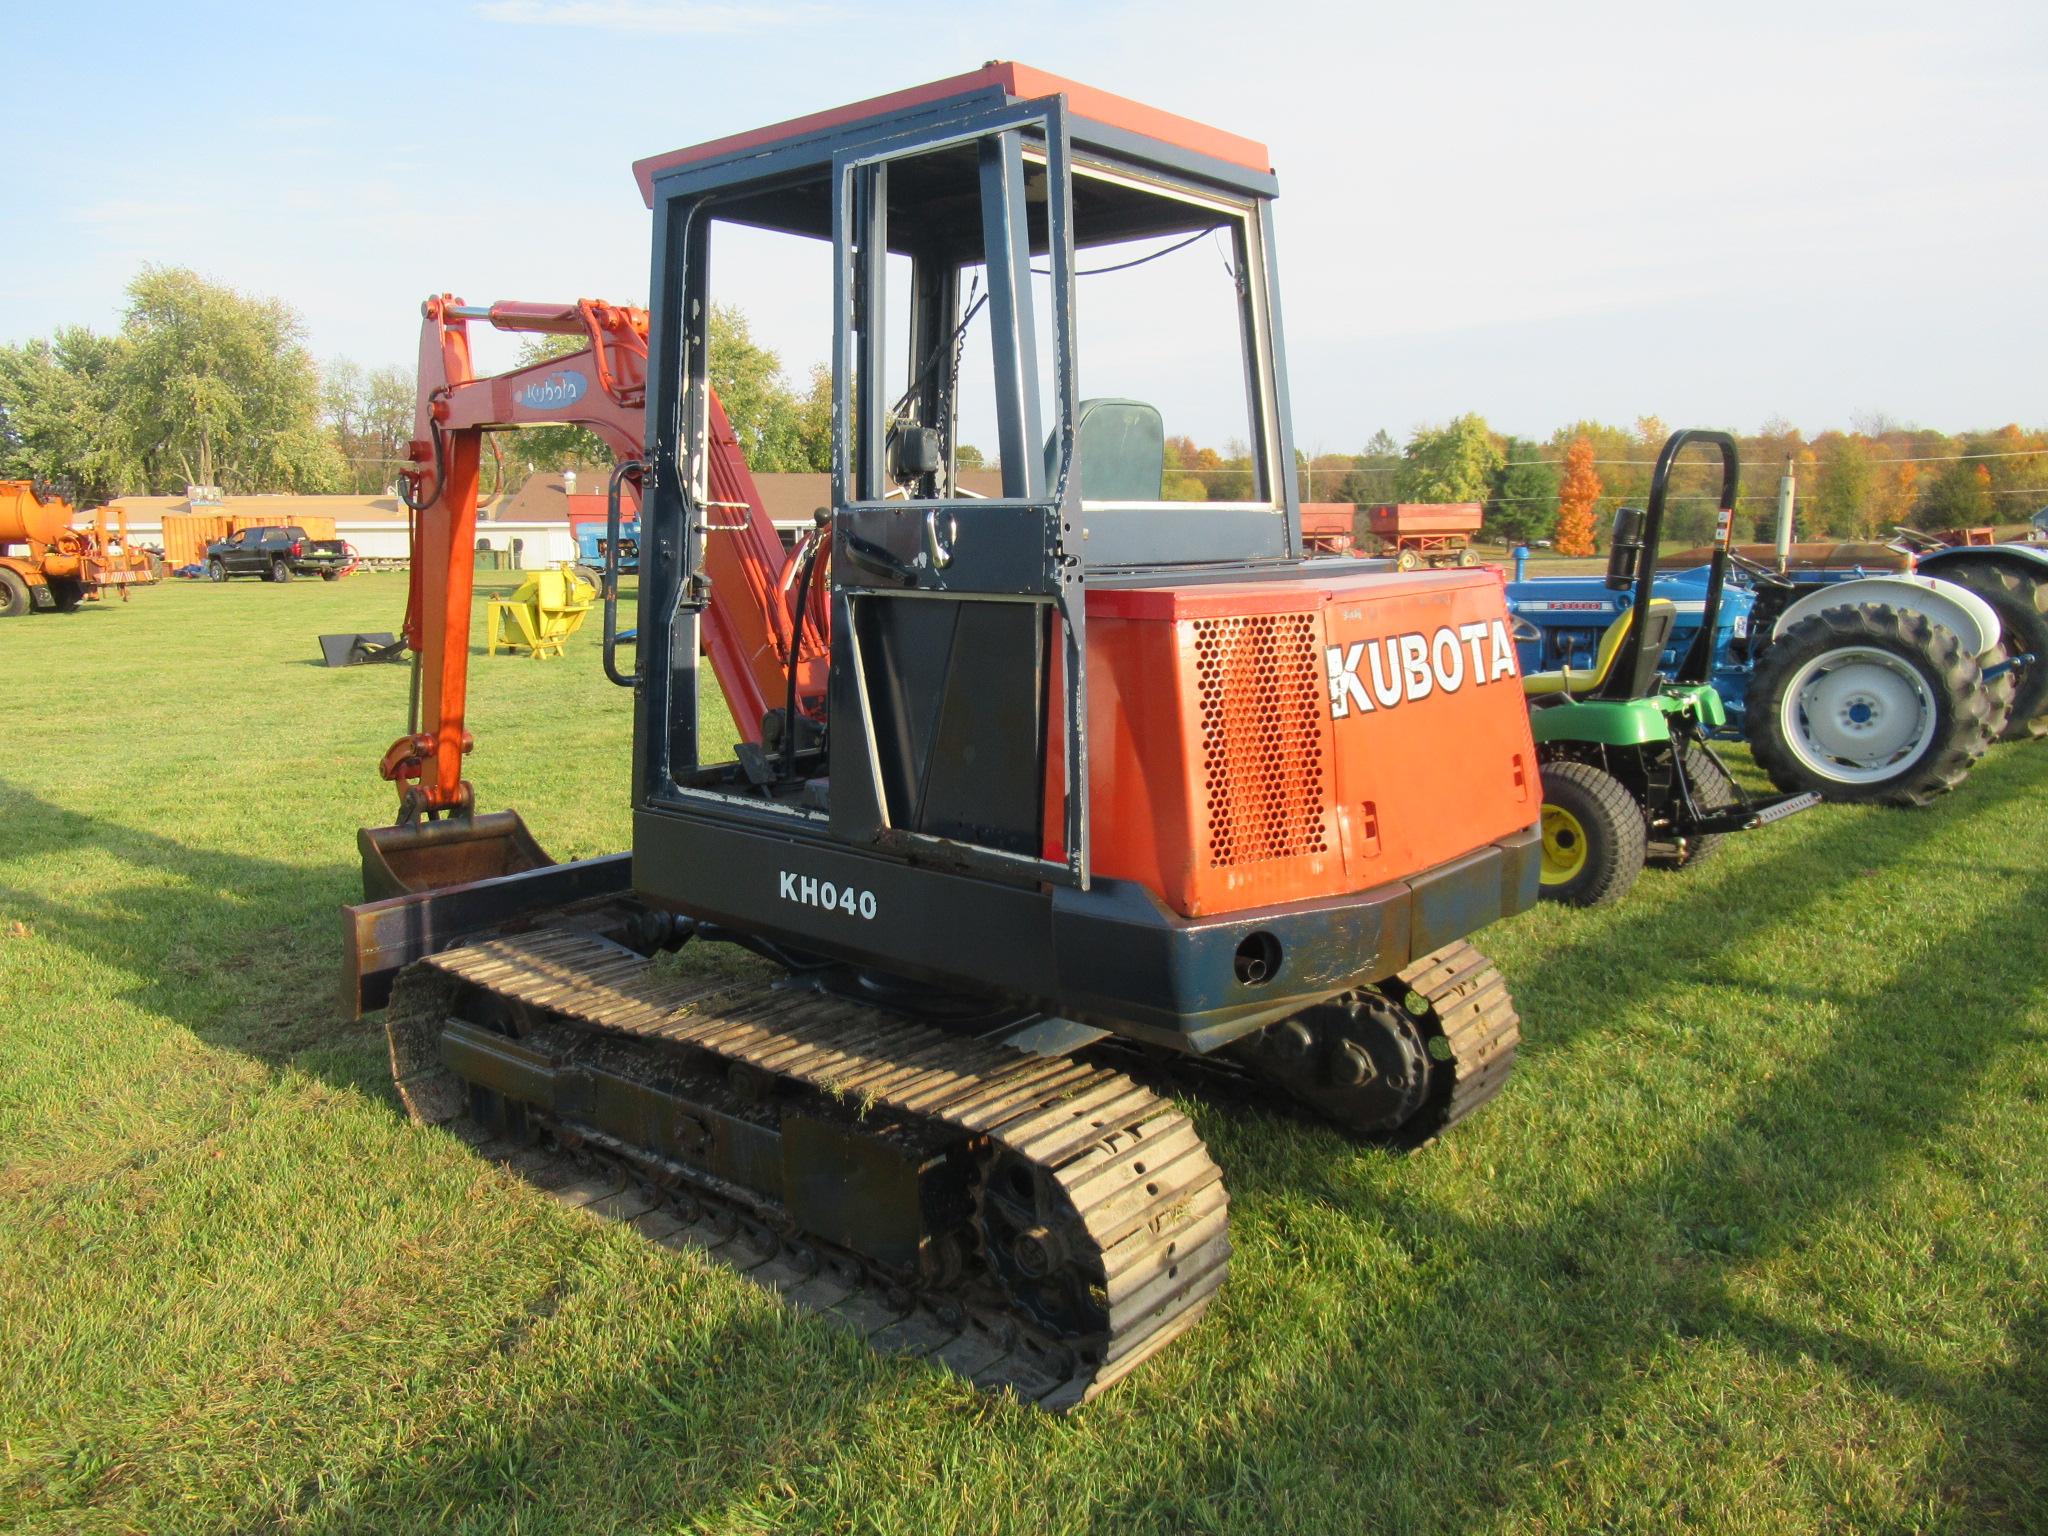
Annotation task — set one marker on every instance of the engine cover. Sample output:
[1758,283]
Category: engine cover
[1254,743]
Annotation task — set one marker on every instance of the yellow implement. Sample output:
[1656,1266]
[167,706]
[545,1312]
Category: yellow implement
[536,620]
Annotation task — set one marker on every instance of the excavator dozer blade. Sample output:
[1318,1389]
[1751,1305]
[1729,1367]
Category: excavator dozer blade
[440,883]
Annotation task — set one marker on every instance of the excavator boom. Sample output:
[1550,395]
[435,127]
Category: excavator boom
[439,841]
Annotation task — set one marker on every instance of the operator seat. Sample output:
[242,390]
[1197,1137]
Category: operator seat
[1119,452]
[1601,682]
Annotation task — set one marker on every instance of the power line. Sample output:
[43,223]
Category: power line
[1930,458]
[1771,496]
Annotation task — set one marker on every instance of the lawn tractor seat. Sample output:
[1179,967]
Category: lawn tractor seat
[1119,452]
[1601,682]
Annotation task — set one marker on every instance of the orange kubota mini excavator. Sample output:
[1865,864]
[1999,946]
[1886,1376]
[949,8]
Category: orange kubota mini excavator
[1017,774]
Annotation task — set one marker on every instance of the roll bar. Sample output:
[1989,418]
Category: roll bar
[1698,665]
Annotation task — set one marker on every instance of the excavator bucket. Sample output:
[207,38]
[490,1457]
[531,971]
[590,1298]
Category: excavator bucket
[433,855]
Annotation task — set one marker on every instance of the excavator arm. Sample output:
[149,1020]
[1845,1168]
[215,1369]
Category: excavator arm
[439,841]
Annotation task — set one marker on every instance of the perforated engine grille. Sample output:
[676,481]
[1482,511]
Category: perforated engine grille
[1262,747]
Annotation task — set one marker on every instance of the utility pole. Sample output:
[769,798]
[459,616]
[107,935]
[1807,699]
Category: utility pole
[1787,493]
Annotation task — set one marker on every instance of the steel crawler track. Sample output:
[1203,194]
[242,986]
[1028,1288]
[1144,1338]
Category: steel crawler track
[1481,1032]
[1145,1226]
[1475,1026]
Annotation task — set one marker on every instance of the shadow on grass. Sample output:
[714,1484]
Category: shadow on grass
[243,951]
[240,949]
[695,1441]
[1569,1317]
[1686,941]
[2001,1415]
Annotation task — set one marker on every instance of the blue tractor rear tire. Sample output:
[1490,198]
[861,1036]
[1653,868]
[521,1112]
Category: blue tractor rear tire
[1867,703]
[2020,599]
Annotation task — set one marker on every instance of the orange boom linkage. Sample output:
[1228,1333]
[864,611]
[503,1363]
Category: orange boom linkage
[602,388]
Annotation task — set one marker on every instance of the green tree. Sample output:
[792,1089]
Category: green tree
[217,387]
[1958,497]
[1228,475]
[1178,481]
[369,420]
[777,430]
[59,416]
[1842,491]
[1523,506]
[1455,462]
[1327,477]
[2016,471]
[814,427]
[1375,474]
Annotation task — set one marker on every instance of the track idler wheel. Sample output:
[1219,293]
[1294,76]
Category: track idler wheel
[1400,1061]
[1357,1060]
[1039,1248]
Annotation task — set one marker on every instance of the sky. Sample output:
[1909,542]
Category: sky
[1720,215]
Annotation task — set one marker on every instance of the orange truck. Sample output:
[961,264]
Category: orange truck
[48,566]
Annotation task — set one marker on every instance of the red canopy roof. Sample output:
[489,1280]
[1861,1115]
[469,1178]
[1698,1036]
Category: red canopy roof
[1019,81]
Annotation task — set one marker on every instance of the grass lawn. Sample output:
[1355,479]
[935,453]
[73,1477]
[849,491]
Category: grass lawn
[1754,1242]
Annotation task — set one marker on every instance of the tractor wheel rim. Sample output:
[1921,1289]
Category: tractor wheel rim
[1564,845]
[1859,715]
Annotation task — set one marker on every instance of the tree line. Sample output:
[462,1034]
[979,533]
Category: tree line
[1854,484]
[203,385]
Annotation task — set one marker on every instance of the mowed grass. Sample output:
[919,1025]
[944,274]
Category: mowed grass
[1753,1242]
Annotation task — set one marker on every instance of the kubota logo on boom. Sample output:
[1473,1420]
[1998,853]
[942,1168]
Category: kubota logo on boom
[565,386]
[1413,666]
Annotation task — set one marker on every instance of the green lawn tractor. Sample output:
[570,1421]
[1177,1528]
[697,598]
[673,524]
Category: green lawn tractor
[1628,777]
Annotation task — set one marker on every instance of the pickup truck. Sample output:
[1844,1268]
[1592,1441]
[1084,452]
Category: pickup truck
[275,554]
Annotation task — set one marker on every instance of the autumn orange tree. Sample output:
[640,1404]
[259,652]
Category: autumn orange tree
[1576,493]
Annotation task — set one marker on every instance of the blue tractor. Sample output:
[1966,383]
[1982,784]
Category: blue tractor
[1856,684]
[2013,579]
[590,542]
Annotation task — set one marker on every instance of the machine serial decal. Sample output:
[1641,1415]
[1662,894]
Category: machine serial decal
[565,386]
[1413,666]
[810,891]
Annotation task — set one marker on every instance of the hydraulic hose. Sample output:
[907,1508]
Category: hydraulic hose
[796,636]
